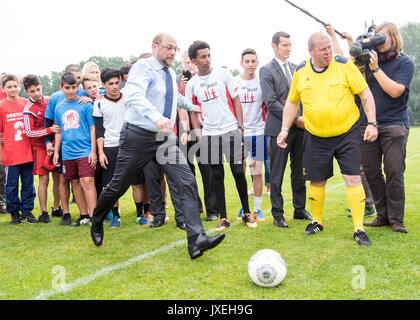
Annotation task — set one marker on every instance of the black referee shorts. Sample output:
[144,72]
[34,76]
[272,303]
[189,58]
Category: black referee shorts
[319,154]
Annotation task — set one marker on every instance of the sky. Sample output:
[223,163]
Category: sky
[43,36]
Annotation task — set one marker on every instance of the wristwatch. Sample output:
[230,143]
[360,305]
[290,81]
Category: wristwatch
[374,123]
[240,127]
[376,69]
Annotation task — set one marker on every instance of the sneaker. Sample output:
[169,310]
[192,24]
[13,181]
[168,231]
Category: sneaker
[369,212]
[29,218]
[82,220]
[241,212]
[3,210]
[15,218]
[223,224]
[249,220]
[251,192]
[312,228]
[259,216]
[148,216]
[110,216]
[66,219]
[44,217]
[57,212]
[142,220]
[361,237]
[116,221]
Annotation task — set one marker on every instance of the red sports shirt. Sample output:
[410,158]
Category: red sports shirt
[16,148]
[33,115]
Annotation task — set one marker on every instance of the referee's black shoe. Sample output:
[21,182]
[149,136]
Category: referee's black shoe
[158,221]
[361,238]
[312,228]
[97,232]
[281,223]
[202,242]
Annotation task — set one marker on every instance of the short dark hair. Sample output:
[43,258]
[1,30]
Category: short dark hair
[125,69]
[68,78]
[278,35]
[248,51]
[8,77]
[72,68]
[197,45]
[110,73]
[31,80]
[145,55]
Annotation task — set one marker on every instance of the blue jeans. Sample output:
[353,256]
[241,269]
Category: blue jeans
[27,193]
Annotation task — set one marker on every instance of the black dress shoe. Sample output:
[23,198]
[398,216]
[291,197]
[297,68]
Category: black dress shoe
[212,217]
[281,223]
[157,222]
[302,215]
[181,225]
[203,243]
[97,233]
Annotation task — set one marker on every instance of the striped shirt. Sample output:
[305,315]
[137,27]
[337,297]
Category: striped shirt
[33,117]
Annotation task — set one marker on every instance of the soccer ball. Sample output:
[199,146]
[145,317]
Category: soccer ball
[267,268]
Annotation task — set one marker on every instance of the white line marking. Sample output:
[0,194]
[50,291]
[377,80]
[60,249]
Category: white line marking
[43,295]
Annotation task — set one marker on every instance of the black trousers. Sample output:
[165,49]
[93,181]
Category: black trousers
[137,148]
[210,200]
[279,158]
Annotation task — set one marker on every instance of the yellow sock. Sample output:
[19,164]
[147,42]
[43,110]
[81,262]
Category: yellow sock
[356,199]
[316,197]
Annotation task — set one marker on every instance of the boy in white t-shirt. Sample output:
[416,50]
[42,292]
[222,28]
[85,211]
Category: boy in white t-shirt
[253,109]
[214,90]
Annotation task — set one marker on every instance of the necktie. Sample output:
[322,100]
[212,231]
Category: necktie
[169,94]
[287,73]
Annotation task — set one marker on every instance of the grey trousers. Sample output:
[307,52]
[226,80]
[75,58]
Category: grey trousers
[388,191]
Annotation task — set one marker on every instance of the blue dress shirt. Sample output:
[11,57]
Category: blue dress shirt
[144,94]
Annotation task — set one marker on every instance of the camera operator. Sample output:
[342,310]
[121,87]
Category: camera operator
[388,76]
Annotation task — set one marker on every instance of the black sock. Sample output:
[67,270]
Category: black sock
[146,207]
[84,216]
[139,206]
[115,211]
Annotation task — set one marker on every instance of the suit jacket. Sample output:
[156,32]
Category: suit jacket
[275,89]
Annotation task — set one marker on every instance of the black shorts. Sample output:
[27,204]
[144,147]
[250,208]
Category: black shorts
[319,154]
[230,144]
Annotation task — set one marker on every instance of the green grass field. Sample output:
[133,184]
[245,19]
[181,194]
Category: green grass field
[50,261]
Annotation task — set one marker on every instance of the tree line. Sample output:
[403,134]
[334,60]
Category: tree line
[410,33]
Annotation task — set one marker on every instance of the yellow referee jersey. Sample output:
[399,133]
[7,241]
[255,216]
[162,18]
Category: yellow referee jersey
[329,108]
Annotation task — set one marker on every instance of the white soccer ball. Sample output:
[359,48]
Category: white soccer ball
[267,268]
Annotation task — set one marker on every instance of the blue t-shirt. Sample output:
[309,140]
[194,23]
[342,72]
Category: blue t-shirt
[74,119]
[56,98]
[390,111]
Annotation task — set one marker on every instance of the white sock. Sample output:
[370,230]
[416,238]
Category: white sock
[257,203]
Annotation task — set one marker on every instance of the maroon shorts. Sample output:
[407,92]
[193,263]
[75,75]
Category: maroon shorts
[39,156]
[77,168]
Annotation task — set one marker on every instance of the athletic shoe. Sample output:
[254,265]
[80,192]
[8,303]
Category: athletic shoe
[15,218]
[241,212]
[66,219]
[82,220]
[368,212]
[29,218]
[110,216]
[251,192]
[44,217]
[259,216]
[249,220]
[362,239]
[116,221]
[223,224]
[3,210]
[142,220]
[56,212]
[148,216]
[312,228]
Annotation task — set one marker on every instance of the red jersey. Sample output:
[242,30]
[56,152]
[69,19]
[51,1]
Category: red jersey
[16,148]
[33,115]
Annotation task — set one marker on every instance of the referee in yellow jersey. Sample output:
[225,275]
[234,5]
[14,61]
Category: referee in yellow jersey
[326,85]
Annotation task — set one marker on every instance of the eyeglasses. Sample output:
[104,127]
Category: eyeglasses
[169,48]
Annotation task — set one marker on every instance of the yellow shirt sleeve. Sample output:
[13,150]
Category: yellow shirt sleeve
[355,79]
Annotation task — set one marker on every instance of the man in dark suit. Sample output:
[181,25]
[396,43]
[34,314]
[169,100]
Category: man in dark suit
[275,79]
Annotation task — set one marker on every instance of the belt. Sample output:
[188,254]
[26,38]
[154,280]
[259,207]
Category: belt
[137,129]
